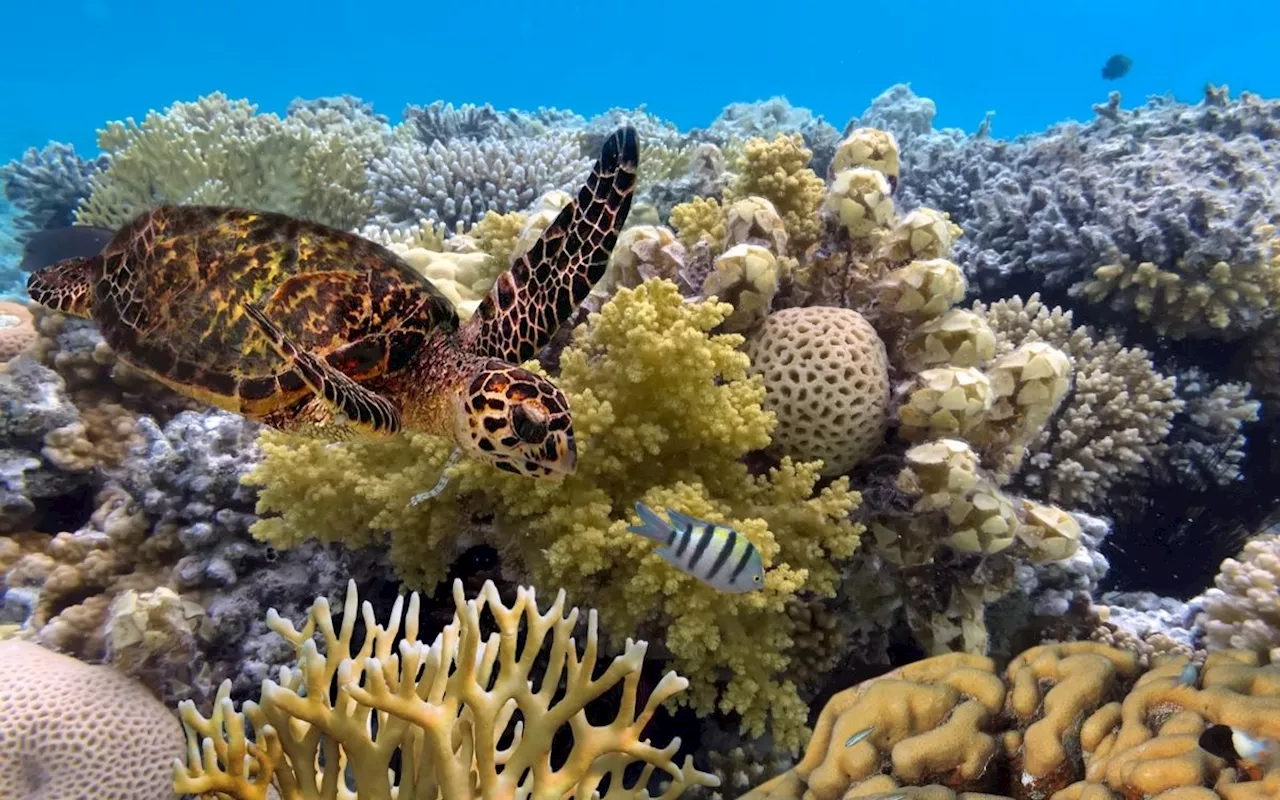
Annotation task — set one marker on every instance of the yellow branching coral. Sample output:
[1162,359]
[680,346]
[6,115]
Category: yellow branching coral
[779,171]
[663,411]
[700,219]
[461,712]
[496,235]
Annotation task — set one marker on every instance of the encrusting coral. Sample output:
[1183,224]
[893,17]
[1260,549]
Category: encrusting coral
[1076,721]
[664,412]
[466,715]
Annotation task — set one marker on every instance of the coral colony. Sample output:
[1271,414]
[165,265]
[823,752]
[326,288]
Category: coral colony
[933,390]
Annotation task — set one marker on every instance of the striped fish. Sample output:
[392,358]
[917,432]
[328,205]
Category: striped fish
[718,556]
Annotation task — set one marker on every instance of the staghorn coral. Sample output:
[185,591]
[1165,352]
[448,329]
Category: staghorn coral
[459,180]
[471,725]
[1076,721]
[441,121]
[663,413]
[220,151]
[75,730]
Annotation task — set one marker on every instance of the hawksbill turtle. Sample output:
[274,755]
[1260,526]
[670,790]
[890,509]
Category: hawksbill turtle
[314,330]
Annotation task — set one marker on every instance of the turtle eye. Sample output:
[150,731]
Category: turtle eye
[529,422]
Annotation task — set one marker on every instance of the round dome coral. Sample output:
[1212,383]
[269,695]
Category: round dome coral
[827,379]
[74,730]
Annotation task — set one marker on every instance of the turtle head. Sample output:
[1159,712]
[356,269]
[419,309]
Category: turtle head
[516,420]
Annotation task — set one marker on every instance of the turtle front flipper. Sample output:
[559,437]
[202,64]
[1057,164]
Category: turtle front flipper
[546,285]
[361,409]
[66,286]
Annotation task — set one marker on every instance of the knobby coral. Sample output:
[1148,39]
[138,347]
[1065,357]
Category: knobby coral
[467,715]
[1076,721]
[664,411]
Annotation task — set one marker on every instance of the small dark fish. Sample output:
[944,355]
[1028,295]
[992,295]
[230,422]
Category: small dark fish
[46,248]
[1116,67]
[1247,754]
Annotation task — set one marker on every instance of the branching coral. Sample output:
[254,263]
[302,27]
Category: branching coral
[459,180]
[663,413]
[461,713]
[1243,609]
[46,186]
[1113,425]
[778,171]
[216,150]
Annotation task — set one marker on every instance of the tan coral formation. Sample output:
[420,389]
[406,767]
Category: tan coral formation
[467,715]
[17,329]
[1077,721]
[72,730]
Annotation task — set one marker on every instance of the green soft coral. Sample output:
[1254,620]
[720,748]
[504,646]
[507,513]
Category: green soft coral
[664,411]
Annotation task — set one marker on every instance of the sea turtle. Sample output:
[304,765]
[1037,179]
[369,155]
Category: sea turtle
[319,331]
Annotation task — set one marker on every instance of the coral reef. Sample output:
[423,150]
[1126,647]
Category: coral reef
[664,412]
[460,713]
[817,338]
[1164,210]
[1067,721]
[459,180]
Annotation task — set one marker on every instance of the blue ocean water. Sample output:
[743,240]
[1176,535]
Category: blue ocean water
[73,65]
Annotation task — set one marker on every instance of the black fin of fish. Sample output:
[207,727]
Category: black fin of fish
[48,247]
[1216,740]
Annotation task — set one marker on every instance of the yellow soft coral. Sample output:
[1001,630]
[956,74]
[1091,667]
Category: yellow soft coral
[663,411]
[779,171]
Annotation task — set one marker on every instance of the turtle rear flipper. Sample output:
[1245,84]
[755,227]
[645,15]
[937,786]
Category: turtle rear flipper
[370,413]
[66,286]
[546,285]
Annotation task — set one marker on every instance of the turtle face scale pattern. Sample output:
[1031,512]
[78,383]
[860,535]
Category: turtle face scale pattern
[318,331]
[516,420]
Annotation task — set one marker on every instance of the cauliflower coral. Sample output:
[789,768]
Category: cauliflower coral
[664,412]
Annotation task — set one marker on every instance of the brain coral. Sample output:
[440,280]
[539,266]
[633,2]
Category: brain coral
[71,730]
[827,379]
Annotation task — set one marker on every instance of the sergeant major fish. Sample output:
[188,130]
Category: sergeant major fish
[718,556]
